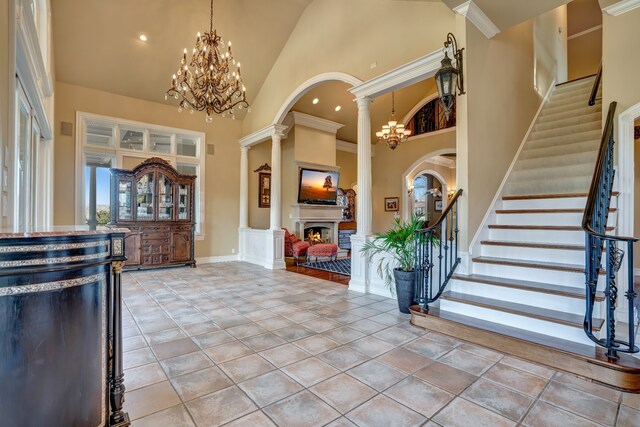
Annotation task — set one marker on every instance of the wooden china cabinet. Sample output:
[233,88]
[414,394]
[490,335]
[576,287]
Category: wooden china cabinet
[156,204]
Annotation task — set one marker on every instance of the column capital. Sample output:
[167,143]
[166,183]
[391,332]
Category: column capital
[364,102]
[278,132]
[244,149]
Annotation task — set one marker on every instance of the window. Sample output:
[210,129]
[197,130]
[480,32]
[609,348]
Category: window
[106,142]
[27,173]
[427,189]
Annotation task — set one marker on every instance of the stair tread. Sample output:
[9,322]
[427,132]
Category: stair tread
[554,316]
[569,291]
[534,245]
[532,264]
[549,196]
[540,227]
[543,211]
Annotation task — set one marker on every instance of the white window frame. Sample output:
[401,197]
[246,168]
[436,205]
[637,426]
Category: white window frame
[118,154]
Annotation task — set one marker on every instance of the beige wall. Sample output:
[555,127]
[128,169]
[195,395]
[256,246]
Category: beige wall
[500,104]
[222,169]
[585,53]
[620,80]
[348,163]
[4,88]
[258,156]
[314,146]
[339,35]
[550,48]
[389,166]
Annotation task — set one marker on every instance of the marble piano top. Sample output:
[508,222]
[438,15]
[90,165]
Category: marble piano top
[56,231]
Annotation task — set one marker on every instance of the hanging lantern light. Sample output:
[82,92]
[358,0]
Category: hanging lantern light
[450,77]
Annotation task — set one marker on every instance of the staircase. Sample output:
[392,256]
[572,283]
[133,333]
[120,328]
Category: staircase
[528,273]
[525,294]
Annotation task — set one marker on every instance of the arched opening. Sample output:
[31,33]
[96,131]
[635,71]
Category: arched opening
[428,190]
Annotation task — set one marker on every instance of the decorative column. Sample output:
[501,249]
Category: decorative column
[276,182]
[365,205]
[359,263]
[244,187]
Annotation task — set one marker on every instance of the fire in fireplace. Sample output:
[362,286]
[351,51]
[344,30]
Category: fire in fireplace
[318,234]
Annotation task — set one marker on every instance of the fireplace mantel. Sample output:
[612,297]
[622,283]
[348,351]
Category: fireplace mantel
[317,216]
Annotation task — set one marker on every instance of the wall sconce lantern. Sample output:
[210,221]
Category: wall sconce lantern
[449,78]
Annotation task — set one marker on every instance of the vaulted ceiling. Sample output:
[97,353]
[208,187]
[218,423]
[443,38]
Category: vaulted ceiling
[96,42]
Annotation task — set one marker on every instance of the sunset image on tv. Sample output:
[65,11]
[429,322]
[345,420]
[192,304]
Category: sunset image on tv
[317,186]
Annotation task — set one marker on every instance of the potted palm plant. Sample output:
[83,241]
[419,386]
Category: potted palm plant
[395,249]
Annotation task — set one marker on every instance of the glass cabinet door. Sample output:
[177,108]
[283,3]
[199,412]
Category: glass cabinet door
[124,201]
[146,190]
[183,201]
[165,198]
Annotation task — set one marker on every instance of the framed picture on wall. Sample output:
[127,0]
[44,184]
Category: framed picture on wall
[391,204]
[437,205]
[264,190]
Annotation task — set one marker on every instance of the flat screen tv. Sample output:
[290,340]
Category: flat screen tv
[318,187]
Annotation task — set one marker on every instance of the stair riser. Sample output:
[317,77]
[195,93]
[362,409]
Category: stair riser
[557,203]
[569,219]
[559,161]
[547,173]
[555,147]
[572,121]
[583,151]
[580,93]
[535,325]
[565,130]
[563,256]
[518,296]
[573,86]
[567,185]
[596,109]
[538,236]
[548,110]
[566,278]
[570,100]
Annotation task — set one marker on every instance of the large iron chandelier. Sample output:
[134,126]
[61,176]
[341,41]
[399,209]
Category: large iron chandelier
[393,133]
[210,81]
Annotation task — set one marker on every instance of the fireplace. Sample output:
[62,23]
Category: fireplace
[320,234]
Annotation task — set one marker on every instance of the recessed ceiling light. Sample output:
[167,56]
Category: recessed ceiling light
[142,37]
[338,108]
[315,101]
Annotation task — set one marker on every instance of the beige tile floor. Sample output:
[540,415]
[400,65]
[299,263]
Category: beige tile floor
[234,344]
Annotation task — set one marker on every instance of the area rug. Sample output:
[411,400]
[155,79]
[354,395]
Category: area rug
[340,266]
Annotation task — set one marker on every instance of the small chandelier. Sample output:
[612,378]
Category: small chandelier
[448,77]
[393,133]
[207,82]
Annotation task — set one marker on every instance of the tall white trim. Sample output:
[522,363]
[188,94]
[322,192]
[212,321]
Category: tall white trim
[403,76]
[313,122]
[261,135]
[474,14]
[621,7]
[625,170]
[491,211]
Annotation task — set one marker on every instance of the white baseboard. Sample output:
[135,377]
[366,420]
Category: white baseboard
[217,259]
[636,271]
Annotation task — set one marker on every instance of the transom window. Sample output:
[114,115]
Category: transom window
[108,142]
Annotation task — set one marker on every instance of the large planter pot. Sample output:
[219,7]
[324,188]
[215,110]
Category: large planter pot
[404,289]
